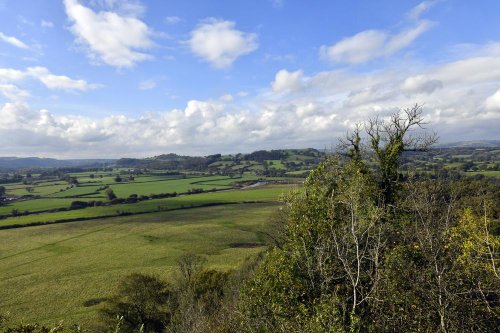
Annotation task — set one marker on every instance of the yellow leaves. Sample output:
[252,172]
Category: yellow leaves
[476,246]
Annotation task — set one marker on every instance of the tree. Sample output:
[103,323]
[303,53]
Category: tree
[366,250]
[322,277]
[2,191]
[142,301]
[110,194]
[387,141]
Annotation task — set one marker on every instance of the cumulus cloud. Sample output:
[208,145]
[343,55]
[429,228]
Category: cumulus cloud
[371,44]
[219,43]
[13,41]
[108,36]
[287,81]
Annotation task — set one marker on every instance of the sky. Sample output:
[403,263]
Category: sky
[132,78]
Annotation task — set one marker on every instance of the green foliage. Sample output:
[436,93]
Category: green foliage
[318,282]
[110,194]
[142,301]
[363,250]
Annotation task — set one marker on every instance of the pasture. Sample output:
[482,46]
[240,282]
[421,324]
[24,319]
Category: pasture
[258,194]
[63,271]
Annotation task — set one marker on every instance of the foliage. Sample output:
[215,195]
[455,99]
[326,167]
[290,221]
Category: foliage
[364,250]
[143,302]
[110,194]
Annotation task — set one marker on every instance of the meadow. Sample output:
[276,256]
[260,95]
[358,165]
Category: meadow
[64,271]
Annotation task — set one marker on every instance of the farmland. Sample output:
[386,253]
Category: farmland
[66,243]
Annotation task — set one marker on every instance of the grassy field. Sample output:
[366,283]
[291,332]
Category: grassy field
[56,260]
[94,189]
[123,190]
[485,173]
[38,205]
[266,193]
[48,272]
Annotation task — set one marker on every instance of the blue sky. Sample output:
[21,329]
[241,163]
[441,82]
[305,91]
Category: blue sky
[109,78]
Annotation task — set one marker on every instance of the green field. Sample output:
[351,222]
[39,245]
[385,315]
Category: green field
[124,190]
[484,173]
[48,272]
[36,205]
[57,259]
[267,193]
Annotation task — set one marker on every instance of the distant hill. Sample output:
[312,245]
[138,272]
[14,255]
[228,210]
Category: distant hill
[17,163]
[302,158]
[471,144]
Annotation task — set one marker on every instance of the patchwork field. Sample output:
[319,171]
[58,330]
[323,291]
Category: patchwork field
[258,194]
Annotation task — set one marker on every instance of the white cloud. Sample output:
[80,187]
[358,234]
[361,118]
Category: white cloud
[9,76]
[219,43]
[419,9]
[371,44]
[172,19]
[110,37]
[470,70]
[287,81]
[61,82]
[316,109]
[13,41]
[227,98]
[13,93]
[421,84]
[46,24]
[147,85]
[493,102]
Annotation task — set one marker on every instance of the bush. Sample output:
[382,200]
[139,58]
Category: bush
[78,205]
[142,301]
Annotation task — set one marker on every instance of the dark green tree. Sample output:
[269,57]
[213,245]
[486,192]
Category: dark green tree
[142,301]
[110,194]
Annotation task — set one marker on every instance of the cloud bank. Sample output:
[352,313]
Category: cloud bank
[296,110]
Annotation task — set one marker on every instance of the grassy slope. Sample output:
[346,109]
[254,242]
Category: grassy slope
[48,272]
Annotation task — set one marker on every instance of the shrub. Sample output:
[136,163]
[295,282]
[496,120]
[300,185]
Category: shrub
[142,301]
